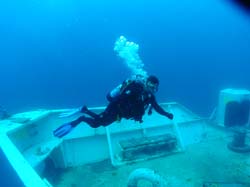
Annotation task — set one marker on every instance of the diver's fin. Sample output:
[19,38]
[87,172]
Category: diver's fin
[63,130]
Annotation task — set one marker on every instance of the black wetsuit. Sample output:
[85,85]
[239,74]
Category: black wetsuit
[131,104]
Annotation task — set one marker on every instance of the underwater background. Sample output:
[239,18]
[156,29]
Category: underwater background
[59,54]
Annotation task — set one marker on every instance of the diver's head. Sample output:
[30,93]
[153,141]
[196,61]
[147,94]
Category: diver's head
[152,84]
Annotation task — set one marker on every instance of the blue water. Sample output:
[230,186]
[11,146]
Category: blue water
[56,54]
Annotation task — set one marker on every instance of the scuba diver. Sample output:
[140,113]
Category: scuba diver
[129,100]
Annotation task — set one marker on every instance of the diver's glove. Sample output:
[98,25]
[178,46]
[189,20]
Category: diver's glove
[70,112]
[170,116]
[63,130]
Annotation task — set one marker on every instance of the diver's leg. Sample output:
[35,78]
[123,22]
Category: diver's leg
[107,117]
[85,110]
[90,121]
[104,119]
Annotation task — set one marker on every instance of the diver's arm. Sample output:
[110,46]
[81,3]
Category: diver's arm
[159,109]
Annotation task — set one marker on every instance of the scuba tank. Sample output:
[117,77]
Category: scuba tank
[117,91]
[113,94]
